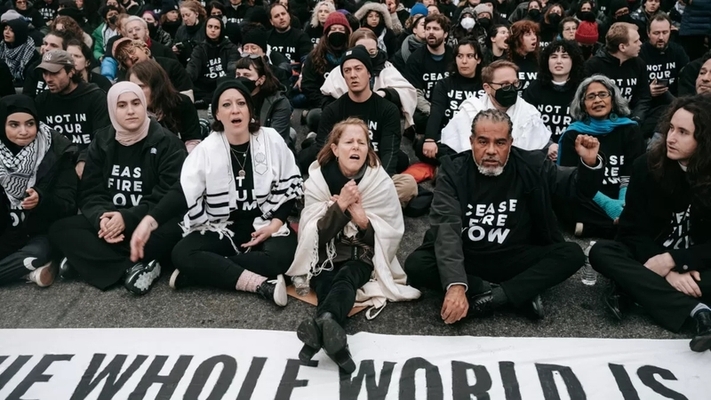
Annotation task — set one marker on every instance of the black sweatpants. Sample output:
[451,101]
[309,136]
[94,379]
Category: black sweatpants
[210,261]
[102,264]
[522,271]
[20,255]
[336,289]
[595,220]
[669,307]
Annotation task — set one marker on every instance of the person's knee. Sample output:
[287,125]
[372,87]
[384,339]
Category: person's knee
[573,254]
[599,254]
[181,256]
[313,118]
[420,268]
[406,188]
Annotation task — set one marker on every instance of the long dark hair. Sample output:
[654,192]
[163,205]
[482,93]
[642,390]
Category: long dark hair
[271,84]
[576,56]
[477,50]
[666,171]
[318,54]
[165,99]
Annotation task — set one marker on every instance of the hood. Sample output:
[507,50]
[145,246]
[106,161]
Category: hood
[21,29]
[382,9]
[466,10]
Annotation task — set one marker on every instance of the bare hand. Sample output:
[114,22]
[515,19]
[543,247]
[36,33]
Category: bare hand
[430,149]
[113,240]
[686,282]
[661,264]
[456,305]
[79,168]
[263,234]
[587,148]
[656,89]
[298,83]
[175,49]
[113,227]
[358,215]
[140,237]
[553,152]
[349,195]
[31,200]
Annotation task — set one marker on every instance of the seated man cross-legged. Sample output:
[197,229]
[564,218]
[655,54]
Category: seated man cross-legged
[494,238]
[662,254]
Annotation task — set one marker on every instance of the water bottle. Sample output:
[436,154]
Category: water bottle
[300,284]
[589,274]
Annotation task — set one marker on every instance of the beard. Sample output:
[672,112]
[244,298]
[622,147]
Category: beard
[491,171]
[434,41]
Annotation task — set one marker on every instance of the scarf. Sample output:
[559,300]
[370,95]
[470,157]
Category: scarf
[124,136]
[379,200]
[18,54]
[209,185]
[18,172]
[596,127]
[409,45]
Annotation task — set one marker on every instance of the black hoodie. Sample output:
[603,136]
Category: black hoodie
[76,115]
[630,76]
[209,62]
[664,64]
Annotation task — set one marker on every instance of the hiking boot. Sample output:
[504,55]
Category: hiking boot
[702,337]
[309,333]
[335,342]
[274,290]
[43,276]
[141,277]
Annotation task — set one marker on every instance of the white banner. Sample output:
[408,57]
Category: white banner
[58,364]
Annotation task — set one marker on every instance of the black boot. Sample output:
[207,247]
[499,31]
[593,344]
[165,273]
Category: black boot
[335,342]
[702,337]
[309,332]
[481,305]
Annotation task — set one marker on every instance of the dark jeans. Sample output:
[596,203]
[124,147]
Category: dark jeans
[102,264]
[17,251]
[336,289]
[669,307]
[522,271]
[210,261]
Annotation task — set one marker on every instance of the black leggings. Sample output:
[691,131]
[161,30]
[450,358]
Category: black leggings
[102,264]
[336,289]
[209,260]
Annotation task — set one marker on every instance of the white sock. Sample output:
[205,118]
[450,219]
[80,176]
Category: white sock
[699,307]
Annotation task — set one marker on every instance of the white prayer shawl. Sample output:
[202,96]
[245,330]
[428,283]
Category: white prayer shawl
[335,86]
[529,131]
[209,187]
[379,199]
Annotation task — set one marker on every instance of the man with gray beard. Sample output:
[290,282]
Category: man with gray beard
[494,238]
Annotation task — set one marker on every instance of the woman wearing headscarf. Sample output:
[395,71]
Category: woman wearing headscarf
[238,187]
[130,166]
[210,59]
[599,109]
[37,187]
[17,49]
[349,233]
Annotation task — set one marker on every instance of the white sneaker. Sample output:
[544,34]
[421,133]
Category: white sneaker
[43,276]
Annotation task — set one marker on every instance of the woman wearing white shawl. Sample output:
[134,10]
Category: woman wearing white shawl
[238,186]
[387,80]
[349,232]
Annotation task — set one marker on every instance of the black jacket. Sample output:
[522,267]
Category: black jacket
[631,74]
[56,186]
[645,222]
[162,158]
[541,179]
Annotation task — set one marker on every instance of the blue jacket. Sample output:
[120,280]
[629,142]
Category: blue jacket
[696,17]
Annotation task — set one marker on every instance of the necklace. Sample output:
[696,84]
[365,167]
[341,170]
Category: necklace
[241,164]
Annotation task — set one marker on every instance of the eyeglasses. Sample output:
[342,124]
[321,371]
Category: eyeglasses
[508,87]
[601,95]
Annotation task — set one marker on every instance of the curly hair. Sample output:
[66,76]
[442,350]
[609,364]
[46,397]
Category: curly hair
[666,171]
[515,40]
[576,56]
[69,25]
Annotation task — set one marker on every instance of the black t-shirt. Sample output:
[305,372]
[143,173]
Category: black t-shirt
[448,95]
[497,216]
[125,182]
[247,208]
[527,70]
[425,70]
[553,101]
[294,44]
[664,65]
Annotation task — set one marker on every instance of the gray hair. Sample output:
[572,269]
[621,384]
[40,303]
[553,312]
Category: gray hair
[492,115]
[620,105]
[314,15]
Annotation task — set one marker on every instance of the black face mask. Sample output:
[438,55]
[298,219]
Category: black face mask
[554,19]
[534,13]
[152,29]
[588,16]
[485,23]
[587,51]
[624,18]
[337,39]
[112,20]
[506,98]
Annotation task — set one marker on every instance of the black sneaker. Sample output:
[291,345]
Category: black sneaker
[274,290]
[178,280]
[534,308]
[65,270]
[141,277]
[335,342]
[702,336]
[481,305]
